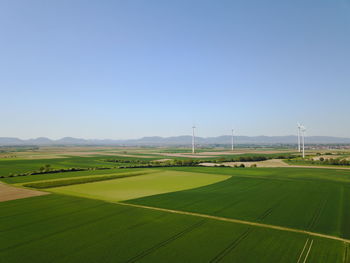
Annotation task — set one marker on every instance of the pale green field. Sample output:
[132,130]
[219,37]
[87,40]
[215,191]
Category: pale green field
[140,186]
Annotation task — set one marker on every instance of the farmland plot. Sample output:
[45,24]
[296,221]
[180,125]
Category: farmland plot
[56,228]
[284,197]
[144,185]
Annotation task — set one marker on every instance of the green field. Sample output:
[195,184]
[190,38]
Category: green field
[145,185]
[58,228]
[20,165]
[66,175]
[8,166]
[83,179]
[178,214]
[315,200]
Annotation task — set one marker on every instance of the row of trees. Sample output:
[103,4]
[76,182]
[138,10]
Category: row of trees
[136,163]
[127,161]
[332,161]
[178,163]
[46,169]
[251,158]
[168,163]
[323,161]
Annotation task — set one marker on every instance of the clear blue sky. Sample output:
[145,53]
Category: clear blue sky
[127,69]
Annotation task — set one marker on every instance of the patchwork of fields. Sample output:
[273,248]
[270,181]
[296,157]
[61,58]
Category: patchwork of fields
[139,186]
[297,198]
[183,214]
[57,228]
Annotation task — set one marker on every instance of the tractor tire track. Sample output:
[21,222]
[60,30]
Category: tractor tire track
[165,242]
[346,257]
[40,209]
[308,252]
[317,213]
[239,221]
[53,217]
[231,246]
[302,252]
[75,226]
[94,242]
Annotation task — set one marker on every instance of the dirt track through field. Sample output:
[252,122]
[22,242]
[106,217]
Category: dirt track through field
[238,221]
[8,193]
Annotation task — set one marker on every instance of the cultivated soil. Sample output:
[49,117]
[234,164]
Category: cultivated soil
[8,192]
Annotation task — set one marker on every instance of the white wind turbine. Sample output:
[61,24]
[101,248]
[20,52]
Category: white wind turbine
[299,134]
[193,139]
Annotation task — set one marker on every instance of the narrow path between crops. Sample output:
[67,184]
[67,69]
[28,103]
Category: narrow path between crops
[238,221]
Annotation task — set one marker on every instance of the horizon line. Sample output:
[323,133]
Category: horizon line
[163,137]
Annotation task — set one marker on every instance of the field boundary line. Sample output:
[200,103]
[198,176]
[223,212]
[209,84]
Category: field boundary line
[237,221]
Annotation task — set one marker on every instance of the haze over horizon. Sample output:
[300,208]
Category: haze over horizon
[176,141]
[129,69]
[176,136]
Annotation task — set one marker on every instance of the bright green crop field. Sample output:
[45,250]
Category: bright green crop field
[57,228]
[138,186]
[311,199]
[66,175]
[8,166]
[183,214]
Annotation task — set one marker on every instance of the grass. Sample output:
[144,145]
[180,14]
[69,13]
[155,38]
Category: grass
[19,166]
[81,180]
[67,229]
[314,200]
[308,162]
[54,176]
[15,166]
[311,199]
[64,227]
[134,187]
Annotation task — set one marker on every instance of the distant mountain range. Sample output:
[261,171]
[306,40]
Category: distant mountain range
[173,141]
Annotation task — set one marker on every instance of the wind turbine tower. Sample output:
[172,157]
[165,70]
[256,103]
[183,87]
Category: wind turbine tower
[299,134]
[303,129]
[193,139]
[232,141]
